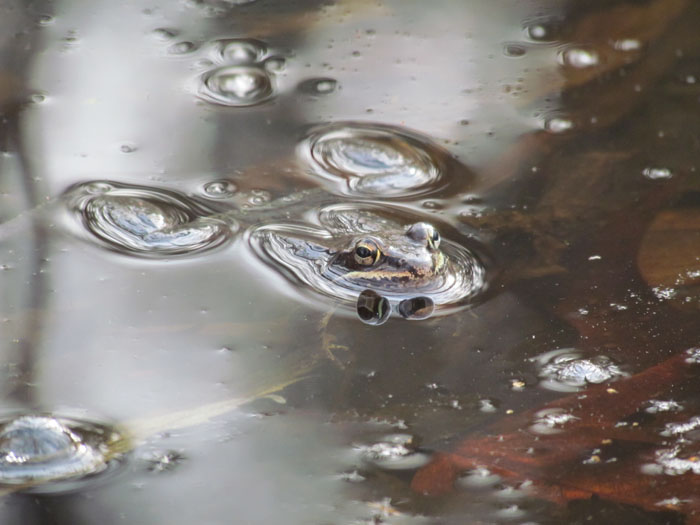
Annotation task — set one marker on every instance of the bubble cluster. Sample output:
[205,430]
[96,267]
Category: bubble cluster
[566,370]
[239,77]
[393,452]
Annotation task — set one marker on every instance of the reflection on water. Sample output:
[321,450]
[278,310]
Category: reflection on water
[518,180]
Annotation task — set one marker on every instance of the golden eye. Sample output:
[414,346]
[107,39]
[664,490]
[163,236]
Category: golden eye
[366,252]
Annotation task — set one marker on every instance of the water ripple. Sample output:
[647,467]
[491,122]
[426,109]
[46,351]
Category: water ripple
[39,450]
[374,159]
[145,222]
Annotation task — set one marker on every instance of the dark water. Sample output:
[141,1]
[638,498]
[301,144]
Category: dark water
[550,378]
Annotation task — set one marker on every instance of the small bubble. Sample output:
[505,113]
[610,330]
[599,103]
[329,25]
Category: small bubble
[372,308]
[657,173]
[127,148]
[37,98]
[628,44]
[479,478]
[514,50]
[236,86]
[259,197]
[182,48]
[275,64]
[241,51]
[558,125]
[163,33]
[579,58]
[416,308]
[318,86]
[220,189]
[46,20]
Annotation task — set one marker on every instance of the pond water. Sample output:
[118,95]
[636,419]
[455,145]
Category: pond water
[268,261]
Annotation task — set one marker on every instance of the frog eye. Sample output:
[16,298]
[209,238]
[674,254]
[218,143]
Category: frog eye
[366,252]
[434,238]
[424,232]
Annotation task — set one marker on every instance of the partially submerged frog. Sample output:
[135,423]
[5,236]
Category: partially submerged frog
[357,249]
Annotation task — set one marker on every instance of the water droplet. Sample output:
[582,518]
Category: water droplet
[558,125]
[240,51]
[657,173]
[220,189]
[46,20]
[565,370]
[372,308]
[37,98]
[236,86]
[478,478]
[579,58]
[416,308]
[628,44]
[432,205]
[318,86]
[514,50]
[163,33]
[257,198]
[374,160]
[182,48]
[542,29]
[146,222]
[275,64]
[38,449]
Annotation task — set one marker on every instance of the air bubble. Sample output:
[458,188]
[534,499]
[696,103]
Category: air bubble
[236,86]
[318,86]
[565,370]
[514,50]
[182,48]
[41,450]
[220,189]
[579,58]
[240,51]
[374,160]
[657,173]
[145,222]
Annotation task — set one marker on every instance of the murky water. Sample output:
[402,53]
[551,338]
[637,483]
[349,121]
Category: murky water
[354,262]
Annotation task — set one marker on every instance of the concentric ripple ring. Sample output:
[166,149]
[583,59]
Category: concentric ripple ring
[37,449]
[304,254]
[367,159]
[145,222]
